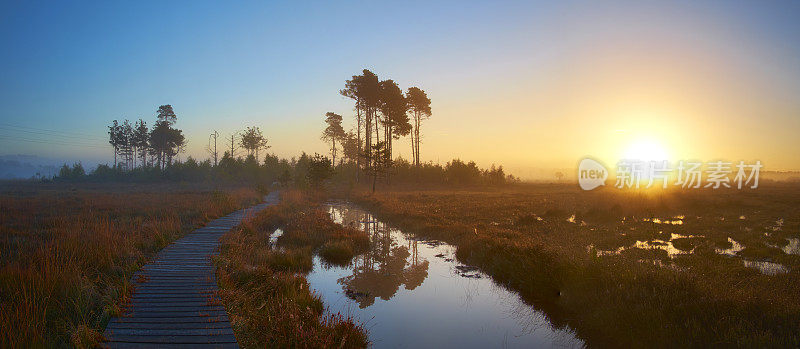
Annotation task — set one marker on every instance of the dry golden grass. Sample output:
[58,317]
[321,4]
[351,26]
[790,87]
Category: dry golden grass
[68,252]
[264,288]
[524,236]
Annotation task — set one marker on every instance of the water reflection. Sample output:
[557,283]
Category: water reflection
[414,293]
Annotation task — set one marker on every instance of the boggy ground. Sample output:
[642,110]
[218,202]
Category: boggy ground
[622,268]
[68,251]
[263,285]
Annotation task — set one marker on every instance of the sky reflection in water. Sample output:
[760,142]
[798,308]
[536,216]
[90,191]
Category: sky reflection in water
[411,293]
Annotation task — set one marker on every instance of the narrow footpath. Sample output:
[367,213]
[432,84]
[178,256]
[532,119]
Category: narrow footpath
[174,303]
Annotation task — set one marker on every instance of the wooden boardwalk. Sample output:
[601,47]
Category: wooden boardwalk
[174,303]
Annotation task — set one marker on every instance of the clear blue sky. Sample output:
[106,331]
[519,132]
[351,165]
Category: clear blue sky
[71,68]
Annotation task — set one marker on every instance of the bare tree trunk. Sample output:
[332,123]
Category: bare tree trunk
[413,150]
[377,131]
[416,139]
[358,155]
[377,155]
[387,136]
[368,136]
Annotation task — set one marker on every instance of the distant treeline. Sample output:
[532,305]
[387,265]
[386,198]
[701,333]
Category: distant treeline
[383,113]
[302,171]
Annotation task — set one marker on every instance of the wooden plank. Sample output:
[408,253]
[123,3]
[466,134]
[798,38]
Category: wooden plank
[225,338]
[175,314]
[168,326]
[199,309]
[172,320]
[124,345]
[174,302]
[170,332]
[174,299]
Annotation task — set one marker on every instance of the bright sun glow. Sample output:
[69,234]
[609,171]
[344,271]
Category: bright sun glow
[645,149]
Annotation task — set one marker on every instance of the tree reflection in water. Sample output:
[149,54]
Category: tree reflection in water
[386,266]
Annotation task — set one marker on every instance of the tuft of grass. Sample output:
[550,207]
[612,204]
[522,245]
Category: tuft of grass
[337,252]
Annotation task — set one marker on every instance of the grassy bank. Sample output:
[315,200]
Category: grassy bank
[67,252]
[543,241]
[264,288]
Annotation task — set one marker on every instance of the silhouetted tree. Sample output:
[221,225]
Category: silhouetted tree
[252,139]
[350,147]
[420,106]
[461,173]
[381,162]
[495,175]
[74,173]
[166,114]
[333,132]
[126,147]
[364,89]
[319,170]
[351,90]
[165,141]
[393,107]
[115,138]
[141,139]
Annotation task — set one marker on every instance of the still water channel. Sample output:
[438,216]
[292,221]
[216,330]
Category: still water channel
[412,293]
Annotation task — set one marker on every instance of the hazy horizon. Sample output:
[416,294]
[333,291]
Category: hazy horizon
[530,86]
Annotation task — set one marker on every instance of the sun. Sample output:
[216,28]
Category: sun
[646,149]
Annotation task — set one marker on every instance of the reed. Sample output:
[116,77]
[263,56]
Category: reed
[68,252]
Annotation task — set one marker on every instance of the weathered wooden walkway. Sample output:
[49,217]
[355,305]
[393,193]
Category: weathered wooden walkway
[174,302]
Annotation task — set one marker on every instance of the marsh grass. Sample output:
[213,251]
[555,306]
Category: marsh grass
[264,288]
[68,252]
[640,297]
[338,253]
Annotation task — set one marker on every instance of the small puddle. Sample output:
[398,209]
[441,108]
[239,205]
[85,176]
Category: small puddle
[677,220]
[414,293]
[733,250]
[655,244]
[571,219]
[793,247]
[766,268]
[273,238]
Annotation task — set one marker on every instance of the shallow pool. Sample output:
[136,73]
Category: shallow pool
[412,293]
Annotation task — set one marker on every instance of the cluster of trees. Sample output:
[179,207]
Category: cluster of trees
[383,113]
[138,147]
[132,142]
